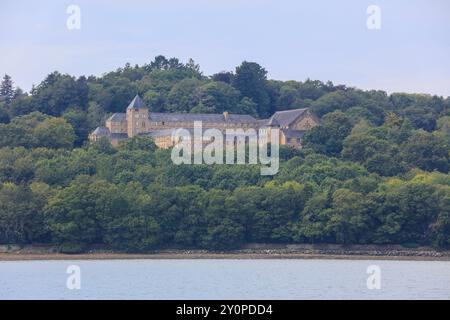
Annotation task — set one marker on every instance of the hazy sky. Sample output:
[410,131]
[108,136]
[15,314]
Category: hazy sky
[324,40]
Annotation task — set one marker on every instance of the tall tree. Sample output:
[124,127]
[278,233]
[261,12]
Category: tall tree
[251,81]
[7,89]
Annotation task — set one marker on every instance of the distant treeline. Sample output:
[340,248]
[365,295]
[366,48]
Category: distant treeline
[375,171]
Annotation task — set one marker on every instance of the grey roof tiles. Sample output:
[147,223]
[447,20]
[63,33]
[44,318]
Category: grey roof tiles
[101,132]
[118,117]
[136,103]
[204,117]
[285,118]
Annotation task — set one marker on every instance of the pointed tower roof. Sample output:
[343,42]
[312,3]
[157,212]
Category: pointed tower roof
[137,103]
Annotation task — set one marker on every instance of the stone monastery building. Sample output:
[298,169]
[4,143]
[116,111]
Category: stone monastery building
[138,120]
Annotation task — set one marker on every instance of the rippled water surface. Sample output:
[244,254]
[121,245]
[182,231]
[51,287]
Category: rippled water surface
[225,279]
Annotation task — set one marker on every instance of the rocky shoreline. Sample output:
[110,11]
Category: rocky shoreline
[252,251]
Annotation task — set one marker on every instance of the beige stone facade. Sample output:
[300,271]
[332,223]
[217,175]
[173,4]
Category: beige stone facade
[138,120]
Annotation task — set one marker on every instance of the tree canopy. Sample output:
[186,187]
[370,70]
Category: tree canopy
[376,169]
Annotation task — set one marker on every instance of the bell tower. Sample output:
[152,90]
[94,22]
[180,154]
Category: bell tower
[137,117]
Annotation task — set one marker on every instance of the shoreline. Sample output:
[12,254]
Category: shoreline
[6,257]
[250,252]
[226,256]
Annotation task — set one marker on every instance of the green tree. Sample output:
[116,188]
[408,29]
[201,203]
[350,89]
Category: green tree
[219,97]
[59,92]
[225,236]
[7,90]
[4,116]
[251,80]
[427,151]
[328,137]
[95,116]
[444,128]
[406,210]
[313,224]
[440,229]
[132,234]
[223,76]
[54,133]
[71,216]
[184,95]
[78,120]
[21,219]
[350,220]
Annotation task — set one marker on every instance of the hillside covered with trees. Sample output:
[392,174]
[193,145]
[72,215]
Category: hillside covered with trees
[375,171]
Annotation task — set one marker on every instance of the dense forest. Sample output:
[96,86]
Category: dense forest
[375,171]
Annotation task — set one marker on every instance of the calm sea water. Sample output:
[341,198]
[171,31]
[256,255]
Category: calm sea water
[225,279]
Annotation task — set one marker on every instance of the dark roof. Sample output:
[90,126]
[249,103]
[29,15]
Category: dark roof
[204,117]
[101,132]
[293,133]
[263,122]
[118,117]
[190,131]
[273,122]
[285,118]
[167,132]
[120,136]
[137,103]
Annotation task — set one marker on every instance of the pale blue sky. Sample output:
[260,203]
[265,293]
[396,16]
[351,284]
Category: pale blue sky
[292,39]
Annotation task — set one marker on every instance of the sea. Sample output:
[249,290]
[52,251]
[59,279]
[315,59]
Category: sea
[224,280]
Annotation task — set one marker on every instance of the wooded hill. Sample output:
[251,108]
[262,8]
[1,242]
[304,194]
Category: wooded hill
[375,171]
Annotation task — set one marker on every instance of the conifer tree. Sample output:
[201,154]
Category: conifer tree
[7,89]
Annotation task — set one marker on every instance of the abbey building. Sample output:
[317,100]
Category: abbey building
[138,120]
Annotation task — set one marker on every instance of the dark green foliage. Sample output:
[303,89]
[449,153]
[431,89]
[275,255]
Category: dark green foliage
[37,130]
[427,151]
[4,116]
[374,171]
[226,77]
[251,81]
[328,138]
[59,92]
[7,90]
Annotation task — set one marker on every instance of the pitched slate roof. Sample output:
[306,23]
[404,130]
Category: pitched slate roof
[159,133]
[204,117]
[285,118]
[101,132]
[119,136]
[273,122]
[170,132]
[118,117]
[137,103]
[263,122]
[184,132]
